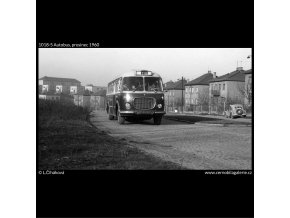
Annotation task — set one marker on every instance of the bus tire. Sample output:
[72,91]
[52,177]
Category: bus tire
[157,120]
[111,117]
[121,120]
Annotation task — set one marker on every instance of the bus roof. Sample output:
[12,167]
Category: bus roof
[134,73]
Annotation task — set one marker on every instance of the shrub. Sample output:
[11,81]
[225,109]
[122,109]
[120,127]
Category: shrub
[61,110]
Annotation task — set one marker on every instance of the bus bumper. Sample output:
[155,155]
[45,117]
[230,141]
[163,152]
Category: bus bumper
[141,113]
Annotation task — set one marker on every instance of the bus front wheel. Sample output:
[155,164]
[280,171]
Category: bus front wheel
[157,120]
[111,117]
[121,120]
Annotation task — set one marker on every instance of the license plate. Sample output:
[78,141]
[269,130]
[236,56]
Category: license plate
[145,112]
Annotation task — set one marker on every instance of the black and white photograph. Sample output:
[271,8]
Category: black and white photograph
[144,112]
[144,108]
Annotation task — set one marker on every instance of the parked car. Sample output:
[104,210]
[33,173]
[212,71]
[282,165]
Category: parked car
[235,110]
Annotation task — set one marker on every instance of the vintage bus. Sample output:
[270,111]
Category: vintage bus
[136,96]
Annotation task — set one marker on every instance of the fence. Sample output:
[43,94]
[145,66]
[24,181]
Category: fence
[196,109]
[216,109]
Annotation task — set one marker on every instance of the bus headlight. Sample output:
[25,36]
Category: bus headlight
[159,105]
[127,97]
[128,106]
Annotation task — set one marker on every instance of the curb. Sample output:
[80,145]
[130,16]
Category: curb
[210,124]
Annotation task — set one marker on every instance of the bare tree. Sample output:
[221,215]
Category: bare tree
[203,99]
[246,91]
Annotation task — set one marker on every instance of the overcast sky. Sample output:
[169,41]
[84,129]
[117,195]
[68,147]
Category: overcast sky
[101,65]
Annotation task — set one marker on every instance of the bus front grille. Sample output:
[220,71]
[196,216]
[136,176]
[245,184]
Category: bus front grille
[144,103]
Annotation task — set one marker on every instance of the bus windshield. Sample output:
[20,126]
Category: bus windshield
[153,84]
[133,84]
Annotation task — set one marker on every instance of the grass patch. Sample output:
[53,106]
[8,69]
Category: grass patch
[67,141]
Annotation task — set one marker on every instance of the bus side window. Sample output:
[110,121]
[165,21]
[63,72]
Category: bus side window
[119,85]
[115,87]
[125,87]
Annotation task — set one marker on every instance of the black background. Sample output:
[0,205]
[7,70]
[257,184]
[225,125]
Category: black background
[204,24]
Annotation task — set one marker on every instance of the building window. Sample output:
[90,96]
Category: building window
[219,86]
[224,86]
[73,89]
[59,88]
[45,88]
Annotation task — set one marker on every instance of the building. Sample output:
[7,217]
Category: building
[56,97]
[50,96]
[226,89]
[94,89]
[197,93]
[98,100]
[248,87]
[58,85]
[82,99]
[168,84]
[76,89]
[94,101]
[174,94]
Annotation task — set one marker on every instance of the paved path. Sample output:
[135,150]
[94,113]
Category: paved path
[191,145]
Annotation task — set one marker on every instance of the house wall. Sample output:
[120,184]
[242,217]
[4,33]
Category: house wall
[88,101]
[95,89]
[221,86]
[173,97]
[53,84]
[39,88]
[248,80]
[52,97]
[97,102]
[229,90]
[248,86]
[235,90]
[78,100]
[42,96]
[193,92]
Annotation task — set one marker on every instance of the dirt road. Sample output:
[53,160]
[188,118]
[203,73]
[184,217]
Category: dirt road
[195,146]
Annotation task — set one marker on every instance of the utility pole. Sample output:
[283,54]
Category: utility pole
[182,94]
[168,102]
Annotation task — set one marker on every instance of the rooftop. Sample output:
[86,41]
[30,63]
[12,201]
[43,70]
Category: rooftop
[237,75]
[58,79]
[202,80]
[175,85]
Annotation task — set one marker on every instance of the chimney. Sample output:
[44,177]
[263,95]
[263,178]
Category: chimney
[214,75]
[239,68]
